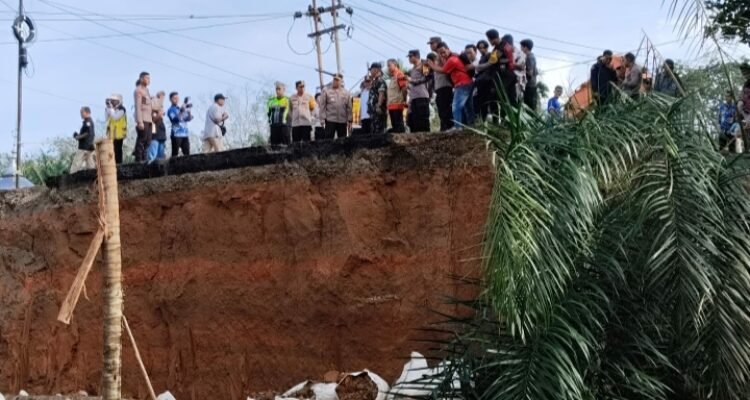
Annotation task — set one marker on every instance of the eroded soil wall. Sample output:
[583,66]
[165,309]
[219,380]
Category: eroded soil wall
[248,279]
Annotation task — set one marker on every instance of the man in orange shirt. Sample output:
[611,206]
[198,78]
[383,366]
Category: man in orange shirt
[396,97]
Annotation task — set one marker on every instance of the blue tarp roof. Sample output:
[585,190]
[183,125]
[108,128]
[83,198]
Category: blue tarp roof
[8,182]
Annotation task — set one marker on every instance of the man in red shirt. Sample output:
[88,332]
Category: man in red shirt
[463,110]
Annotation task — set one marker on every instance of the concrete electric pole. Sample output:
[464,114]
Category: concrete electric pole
[315,12]
[23,29]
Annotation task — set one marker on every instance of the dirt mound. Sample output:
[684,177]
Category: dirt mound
[248,279]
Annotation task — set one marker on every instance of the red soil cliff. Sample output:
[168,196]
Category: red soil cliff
[248,279]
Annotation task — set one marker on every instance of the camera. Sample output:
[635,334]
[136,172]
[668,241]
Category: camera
[187,103]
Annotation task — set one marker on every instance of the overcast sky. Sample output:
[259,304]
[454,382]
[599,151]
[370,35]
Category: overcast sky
[253,49]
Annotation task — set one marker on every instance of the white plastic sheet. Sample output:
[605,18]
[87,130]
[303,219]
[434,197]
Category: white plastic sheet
[165,396]
[322,391]
[414,380]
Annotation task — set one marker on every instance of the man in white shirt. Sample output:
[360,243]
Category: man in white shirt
[364,112]
[215,130]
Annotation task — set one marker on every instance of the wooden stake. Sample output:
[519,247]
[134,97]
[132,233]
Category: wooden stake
[138,358]
[69,305]
[112,274]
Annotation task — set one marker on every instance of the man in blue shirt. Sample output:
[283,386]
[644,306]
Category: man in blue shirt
[727,111]
[554,108]
[179,116]
[727,118]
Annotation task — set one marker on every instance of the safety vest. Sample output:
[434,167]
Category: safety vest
[117,129]
[278,110]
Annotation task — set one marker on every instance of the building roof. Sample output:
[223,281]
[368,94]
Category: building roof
[8,182]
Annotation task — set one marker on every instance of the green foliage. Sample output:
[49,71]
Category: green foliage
[708,84]
[616,263]
[730,19]
[50,162]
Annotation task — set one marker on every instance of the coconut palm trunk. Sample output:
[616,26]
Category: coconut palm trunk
[111,251]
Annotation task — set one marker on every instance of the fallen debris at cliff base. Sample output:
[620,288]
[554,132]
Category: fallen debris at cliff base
[362,386]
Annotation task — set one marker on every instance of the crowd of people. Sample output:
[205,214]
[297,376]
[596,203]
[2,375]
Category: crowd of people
[734,121]
[466,86]
[631,78]
[151,130]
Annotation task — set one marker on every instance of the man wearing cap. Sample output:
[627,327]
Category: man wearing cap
[377,102]
[419,94]
[603,77]
[215,129]
[117,124]
[443,90]
[303,105]
[396,95]
[336,109]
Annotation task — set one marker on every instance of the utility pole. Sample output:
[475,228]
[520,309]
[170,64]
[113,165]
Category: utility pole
[334,13]
[315,12]
[24,31]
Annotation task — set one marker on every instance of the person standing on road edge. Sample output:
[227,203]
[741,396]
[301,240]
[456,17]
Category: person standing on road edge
[419,94]
[303,106]
[143,119]
[530,94]
[179,116]
[365,122]
[462,84]
[215,130]
[157,147]
[84,157]
[378,107]
[336,109]
[396,95]
[117,124]
[443,90]
[278,116]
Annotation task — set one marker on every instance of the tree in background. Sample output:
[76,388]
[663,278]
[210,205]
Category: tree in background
[730,19]
[53,160]
[248,121]
[708,84]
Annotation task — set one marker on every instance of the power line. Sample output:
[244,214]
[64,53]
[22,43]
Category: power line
[407,23]
[151,17]
[199,40]
[168,50]
[147,32]
[150,60]
[13,10]
[289,41]
[377,38]
[369,48]
[384,32]
[401,10]
[465,40]
[502,27]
